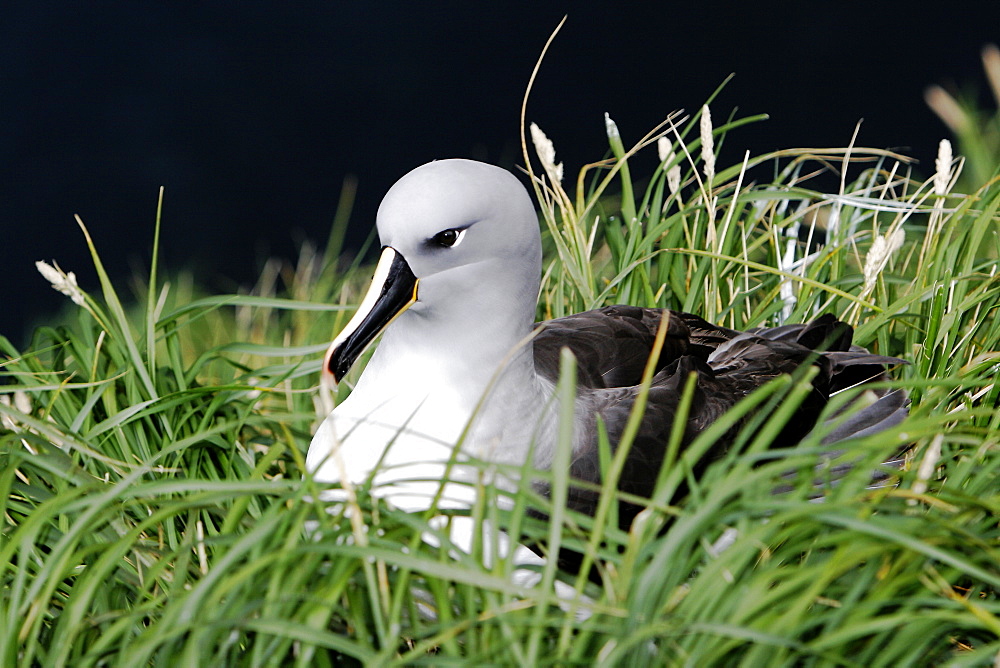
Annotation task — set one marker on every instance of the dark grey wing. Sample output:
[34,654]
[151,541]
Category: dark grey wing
[705,337]
[823,333]
[728,365]
[887,408]
[613,406]
[611,344]
[850,366]
[740,364]
[826,343]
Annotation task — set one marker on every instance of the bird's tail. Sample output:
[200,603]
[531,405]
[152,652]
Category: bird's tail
[845,367]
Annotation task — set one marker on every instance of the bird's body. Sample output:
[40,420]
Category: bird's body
[455,296]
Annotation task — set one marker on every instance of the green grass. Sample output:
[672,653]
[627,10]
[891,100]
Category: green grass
[155,509]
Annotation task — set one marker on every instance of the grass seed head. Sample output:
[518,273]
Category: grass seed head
[62,281]
[21,402]
[707,145]
[879,254]
[611,127]
[667,156]
[546,154]
[942,174]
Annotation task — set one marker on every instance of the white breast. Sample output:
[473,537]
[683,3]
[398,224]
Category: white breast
[408,437]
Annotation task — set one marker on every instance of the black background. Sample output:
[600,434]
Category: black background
[251,114]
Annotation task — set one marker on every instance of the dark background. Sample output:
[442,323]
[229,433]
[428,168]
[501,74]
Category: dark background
[251,114]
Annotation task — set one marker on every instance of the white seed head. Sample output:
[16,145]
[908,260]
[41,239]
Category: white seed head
[942,165]
[879,253]
[22,402]
[611,127]
[62,281]
[707,145]
[674,178]
[546,153]
[5,421]
[664,150]
[667,156]
[928,464]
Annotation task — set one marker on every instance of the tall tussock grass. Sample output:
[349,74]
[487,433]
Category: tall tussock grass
[155,508]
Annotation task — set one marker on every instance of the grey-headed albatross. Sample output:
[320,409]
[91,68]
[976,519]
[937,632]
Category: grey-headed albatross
[454,298]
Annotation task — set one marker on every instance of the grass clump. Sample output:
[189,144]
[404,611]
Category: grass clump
[155,509]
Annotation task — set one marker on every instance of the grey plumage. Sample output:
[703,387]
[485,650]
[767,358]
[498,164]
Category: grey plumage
[728,366]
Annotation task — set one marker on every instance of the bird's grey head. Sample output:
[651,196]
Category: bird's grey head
[453,213]
[465,228]
[461,260]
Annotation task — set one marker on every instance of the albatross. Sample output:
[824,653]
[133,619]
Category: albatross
[453,298]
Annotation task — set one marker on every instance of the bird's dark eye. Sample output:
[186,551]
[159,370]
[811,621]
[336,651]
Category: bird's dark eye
[447,238]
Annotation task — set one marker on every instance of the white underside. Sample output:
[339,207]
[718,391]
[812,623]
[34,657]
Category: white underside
[405,444]
[408,464]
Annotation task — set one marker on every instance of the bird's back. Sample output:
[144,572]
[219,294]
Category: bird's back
[612,346]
